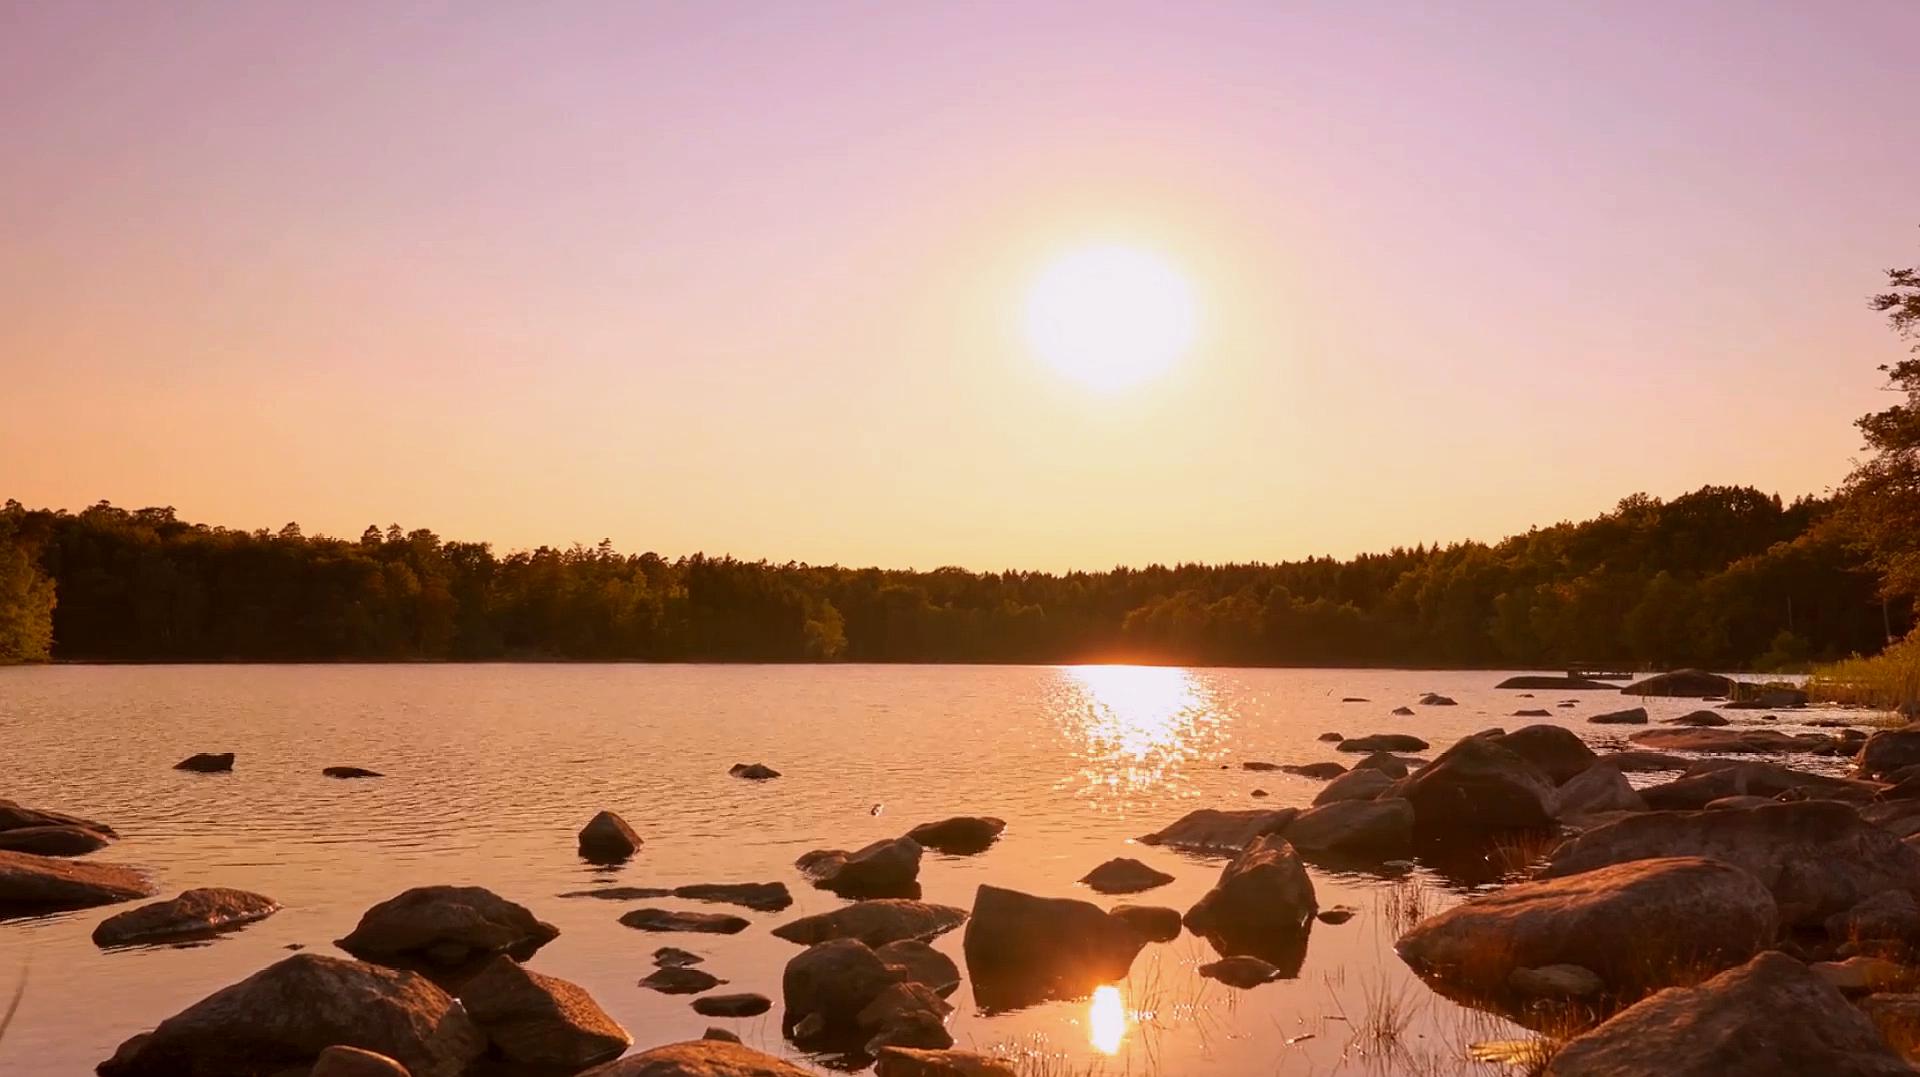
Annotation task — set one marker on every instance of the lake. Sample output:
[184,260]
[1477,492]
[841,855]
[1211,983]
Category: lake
[492,769]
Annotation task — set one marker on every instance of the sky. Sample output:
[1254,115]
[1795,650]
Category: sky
[749,278]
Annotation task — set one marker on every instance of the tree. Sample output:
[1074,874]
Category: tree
[1883,494]
[26,605]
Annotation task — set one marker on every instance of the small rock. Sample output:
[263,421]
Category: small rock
[672,957]
[1155,923]
[1339,914]
[708,923]
[194,913]
[1319,771]
[1257,793]
[875,922]
[343,1061]
[1403,712]
[1332,737]
[887,868]
[351,772]
[1242,972]
[1124,875]
[541,1021]
[447,925]
[721,1034]
[1859,975]
[206,763]
[962,835]
[1384,742]
[757,772]
[744,1004]
[1435,699]
[1633,716]
[607,839]
[674,980]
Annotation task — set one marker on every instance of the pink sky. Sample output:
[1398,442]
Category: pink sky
[747,277]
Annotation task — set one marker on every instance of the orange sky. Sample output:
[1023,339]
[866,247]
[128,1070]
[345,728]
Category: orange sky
[750,280]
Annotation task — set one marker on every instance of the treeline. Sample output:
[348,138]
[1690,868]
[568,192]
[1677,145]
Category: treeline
[1725,577]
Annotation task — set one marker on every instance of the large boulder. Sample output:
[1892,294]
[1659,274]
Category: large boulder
[289,1012]
[30,883]
[1478,785]
[1360,783]
[1376,827]
[1209,830]
[1263,903]
[915,1062]
[607,839]
[962,835]
[446,926]
[905,1015]
[1889,914]
[1816,857]
[1124,875]
[1638,926]
[540,1021]
[1733,741]
[831,982]
[1771,1017]
[1715,779]
[699,1058]
[1021,949]
[194,913]
[875,922]
[1384,742]
[65,840]
[1556,750]
[1693,683]
[886,868]
[1599,788]
[1888,751]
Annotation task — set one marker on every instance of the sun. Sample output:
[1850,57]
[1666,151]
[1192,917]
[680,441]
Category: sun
[1111,316]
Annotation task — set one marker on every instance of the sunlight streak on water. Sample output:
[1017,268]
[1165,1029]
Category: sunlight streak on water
[1135,726]
[1106,1020]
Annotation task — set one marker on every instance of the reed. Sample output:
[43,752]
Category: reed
[1889,680]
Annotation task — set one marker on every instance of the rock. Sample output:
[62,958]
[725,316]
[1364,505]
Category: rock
[678,980]
[1242,972]
[913,961]
[1402,712]
[1155,923]
[834,982]
[1889,914]
[1860,975]
[886,868]
[1020,948]
[1717,779]
[1435,699]
[1816,857]
[1124,875]
[1534,713]
[350,772]
[876,922]
[962,835]
[1634,925]
[1339,914]
[914,1062]
[1732,803]
[1360,783]
[295,1009]
[15,817]
[1685,682]
[1355,699]
[1478,785]
[1316,771]
[753,772]
[1888,751]
[194,913]
[1568,683]
[446,925]
[743,1004]
[1771,1017]
[1335,737]
[206,763]
[607,839]
[1259,765]
[715,1033]
[1556,982]
[343,1061]
[1558,752]
[1634,716]
[541,1021]
[1732,741]
[705,923]
[699,1058]
[1384,742]
[1703,719]
[672,957]
[905,1015]
[1258,793]
[1263,902]
[1599,788]
[1209,830]
[1638,762]
[1386,763]
[763,897]
[31,883]
[1379,827]
[53,840]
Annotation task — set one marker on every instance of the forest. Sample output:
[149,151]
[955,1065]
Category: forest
[1726,577]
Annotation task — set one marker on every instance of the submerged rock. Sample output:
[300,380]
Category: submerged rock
[1263,902]
[1403,712]
[917,1062]
[206,763]
[293,1010]
[194,913]
[1021,949]
[1211,830]
[680,980]
[887,868]
[1317,771]
[1124,875]
[53,840]
[1435,699]
[30,883]
[1632,716]
[753,772]
[607,839]
[743,1004]
[705,923]
[541,1021]
[1567,683]
[1698,684]
[962,835]
[446,926]
[875,922]
[1242,971]
[350,772]
[1155,923]
[1384,742]
[699,1058]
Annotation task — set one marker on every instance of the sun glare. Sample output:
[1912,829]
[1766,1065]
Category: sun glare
[1106,1019]
[1111,316]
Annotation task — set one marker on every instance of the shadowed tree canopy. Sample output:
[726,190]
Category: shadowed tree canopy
[1883,493]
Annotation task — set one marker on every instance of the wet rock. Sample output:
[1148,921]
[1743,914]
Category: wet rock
[962,835]
[1259,765]
[1634,925]
[1384,742]
[1599,788]
[742,1004]
[1360,783]
[194,913]
[1210,830]
[1021,949]
[53,840]
[1402,712]
[1155,923]
[1258,793]
[206,763]
[446,926]
[1435,699]
[1534,713]
[342,1061]
[1771,1017]
[1242,972]
[31,883]
[1556,982]
[1733,741]
[764,897]
[1887,751]
[1716,779]
[913,961]
[1889,914]
[875,922]
[887,868]
[1816,857]
[15,817]
[1263,901]
[905,1015]
[1317,771]
[1478,785]
[833,982]
[1386,763]
[1695,683]
[705,923]
[1332,737]
[1700,719]
[1639,762]
[350,772]
[293,1010]
[1377,827]
[699,1058]
[753,772]
[541,1021]
[914,1062]
[1124,875]
[1339,914]
[607,839]
[1355,699]
[1632,716]
[716,1033]
[672,957]
[678,980]
[1861,974]
[1565,684]
[1557,751]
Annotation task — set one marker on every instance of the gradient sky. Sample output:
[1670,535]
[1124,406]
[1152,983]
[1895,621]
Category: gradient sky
[747,277]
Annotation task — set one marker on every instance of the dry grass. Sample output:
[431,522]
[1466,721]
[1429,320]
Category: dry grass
[1889,680]
[1516,854]
[1403,904]
[13,1007]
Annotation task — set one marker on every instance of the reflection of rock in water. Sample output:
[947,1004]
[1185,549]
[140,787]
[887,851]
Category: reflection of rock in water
[1022,949]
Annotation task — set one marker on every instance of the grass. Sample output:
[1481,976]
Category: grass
[1889,680]
[13,1007]
[1404,903]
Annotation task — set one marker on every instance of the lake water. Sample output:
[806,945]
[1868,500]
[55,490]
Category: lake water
[492,769]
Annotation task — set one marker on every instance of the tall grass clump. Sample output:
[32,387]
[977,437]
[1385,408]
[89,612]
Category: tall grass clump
[1889,680]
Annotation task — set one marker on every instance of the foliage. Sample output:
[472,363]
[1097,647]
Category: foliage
[1883,493]
[26,601]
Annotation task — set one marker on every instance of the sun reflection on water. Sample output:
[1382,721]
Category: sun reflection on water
[1106,1020]
[1135,725]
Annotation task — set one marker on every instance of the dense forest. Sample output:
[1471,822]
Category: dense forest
[1728,577]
